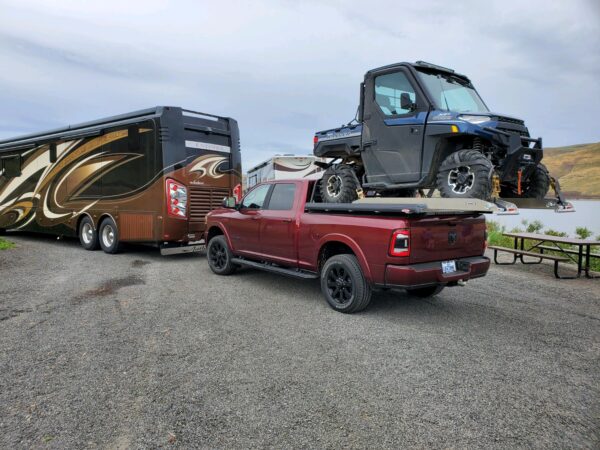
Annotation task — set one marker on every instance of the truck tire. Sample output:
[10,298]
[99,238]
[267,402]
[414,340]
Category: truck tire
[339,184]
[219,256]
[108,235]
[471,179]
[425,292]
[88,236]
[2,232]
[344,285]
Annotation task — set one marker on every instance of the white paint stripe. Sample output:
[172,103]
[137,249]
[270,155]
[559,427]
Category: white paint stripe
[207,146]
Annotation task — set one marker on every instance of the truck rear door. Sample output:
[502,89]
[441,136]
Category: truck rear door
[439,238]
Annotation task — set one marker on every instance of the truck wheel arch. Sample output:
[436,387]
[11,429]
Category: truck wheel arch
[218,230]
[331,245]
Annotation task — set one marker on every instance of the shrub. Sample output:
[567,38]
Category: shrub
[583,232]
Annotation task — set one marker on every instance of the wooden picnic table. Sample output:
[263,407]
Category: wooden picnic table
[583,252]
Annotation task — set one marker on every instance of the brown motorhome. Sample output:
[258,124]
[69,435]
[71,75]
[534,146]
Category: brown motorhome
[149,176]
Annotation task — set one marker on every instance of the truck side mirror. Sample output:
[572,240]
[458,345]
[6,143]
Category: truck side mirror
[228,202]
[406,102]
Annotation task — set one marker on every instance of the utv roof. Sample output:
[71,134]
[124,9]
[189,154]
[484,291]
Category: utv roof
[87,128]
[418,65]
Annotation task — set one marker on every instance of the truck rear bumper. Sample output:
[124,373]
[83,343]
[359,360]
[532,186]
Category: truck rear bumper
[430,273]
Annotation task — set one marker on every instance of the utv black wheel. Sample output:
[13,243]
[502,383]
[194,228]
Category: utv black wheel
[88,236]
[339,184]
[536,187]
[425,292]
[219,256]
[468,176]
[108,235]
[343,284]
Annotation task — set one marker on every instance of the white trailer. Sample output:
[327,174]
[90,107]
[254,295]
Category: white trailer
[282,167]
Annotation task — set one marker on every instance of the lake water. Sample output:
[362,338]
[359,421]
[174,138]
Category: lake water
[587,214]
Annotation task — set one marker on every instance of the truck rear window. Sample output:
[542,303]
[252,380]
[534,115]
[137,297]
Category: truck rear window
[282,198]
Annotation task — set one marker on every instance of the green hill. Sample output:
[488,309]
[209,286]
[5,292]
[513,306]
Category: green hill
[577,168]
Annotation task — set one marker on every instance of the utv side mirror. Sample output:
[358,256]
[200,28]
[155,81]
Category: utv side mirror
[405,102]
[228,202]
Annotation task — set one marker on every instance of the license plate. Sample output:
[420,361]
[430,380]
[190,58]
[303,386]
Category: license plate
[448,266]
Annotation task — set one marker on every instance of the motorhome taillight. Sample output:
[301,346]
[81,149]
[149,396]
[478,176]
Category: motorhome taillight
[237,192]
[400,243]
[176,199]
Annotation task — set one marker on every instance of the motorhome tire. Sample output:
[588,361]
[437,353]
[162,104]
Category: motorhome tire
[108,235]
[344,285]
[88,235]
[339,184]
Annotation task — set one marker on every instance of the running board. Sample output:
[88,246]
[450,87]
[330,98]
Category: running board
[296,273]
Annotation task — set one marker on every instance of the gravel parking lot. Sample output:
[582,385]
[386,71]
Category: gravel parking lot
[138,350]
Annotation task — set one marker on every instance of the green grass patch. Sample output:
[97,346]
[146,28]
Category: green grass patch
[5,245]
[495,237]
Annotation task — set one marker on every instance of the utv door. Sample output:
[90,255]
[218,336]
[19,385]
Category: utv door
[394,119]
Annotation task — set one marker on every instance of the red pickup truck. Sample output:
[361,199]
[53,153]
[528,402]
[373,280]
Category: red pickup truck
[353,248]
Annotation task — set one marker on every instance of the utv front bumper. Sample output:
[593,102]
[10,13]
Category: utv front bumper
[430,273]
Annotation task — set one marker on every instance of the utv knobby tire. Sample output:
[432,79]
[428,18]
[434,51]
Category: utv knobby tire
[355,290]
[536,187]
[426,292]
[474,167]
[219,256]
[339,185]
[539,183]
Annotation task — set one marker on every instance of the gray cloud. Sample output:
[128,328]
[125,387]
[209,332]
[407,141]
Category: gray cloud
[285,69]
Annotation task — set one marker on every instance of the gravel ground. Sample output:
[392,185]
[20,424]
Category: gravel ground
[138,350]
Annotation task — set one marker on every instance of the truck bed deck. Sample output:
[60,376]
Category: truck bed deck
[405,206]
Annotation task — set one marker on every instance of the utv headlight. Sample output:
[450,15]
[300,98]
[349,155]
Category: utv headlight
[475,119]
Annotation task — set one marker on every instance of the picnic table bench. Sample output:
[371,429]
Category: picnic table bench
[549,242]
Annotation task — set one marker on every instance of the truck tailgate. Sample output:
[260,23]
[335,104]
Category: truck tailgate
[446,237]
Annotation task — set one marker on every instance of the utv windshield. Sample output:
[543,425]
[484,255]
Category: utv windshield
[451,93]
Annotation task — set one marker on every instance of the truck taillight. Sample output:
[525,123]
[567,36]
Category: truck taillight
[237,192]
[400,243]
[316,140]
[485,240]
[176,199]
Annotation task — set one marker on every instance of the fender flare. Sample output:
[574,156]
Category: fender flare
[362,260]
[223,229]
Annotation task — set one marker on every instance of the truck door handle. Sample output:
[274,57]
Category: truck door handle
[414,130]
[287,220]
[255,217]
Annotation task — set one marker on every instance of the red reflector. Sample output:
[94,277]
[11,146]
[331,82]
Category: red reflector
[400,243]
[237,192]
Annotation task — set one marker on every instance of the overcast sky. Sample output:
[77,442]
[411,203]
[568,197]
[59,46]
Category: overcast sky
[284,69]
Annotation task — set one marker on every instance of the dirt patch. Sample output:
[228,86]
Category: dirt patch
[139,263]
[6,314]
[110,287]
